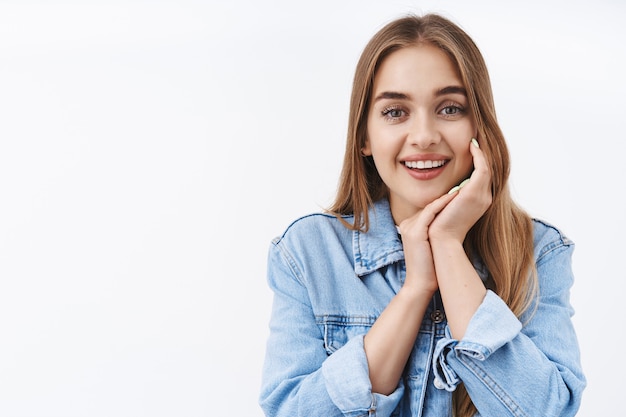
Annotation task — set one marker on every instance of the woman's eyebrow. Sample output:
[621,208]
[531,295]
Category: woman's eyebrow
[391,95]
[453,89]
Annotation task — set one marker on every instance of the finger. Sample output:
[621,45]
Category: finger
[480,181]
[480,162]
[431,210]
[480,177]
[422,220]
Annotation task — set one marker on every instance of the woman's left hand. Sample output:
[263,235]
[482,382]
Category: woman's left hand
[470,203]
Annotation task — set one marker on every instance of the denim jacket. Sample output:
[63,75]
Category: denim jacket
[331,283]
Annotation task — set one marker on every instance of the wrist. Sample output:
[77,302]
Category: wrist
[446,243]
[417,291]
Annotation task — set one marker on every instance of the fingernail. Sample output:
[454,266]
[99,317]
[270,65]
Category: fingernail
[462,184]
[454,189]
[475,142]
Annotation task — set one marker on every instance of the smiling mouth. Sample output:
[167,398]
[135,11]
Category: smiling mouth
[424,164]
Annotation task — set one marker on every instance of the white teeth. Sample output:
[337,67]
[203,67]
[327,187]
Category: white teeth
[423,164]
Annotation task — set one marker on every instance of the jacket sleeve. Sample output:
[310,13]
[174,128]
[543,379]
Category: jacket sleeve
[299,377]
[510,369]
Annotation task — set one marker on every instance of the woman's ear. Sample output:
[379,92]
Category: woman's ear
[365,150]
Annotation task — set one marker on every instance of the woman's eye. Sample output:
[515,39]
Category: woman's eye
[393,113]
[451,110]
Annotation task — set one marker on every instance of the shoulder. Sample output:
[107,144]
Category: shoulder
[313,243]
[548,238]
[314,229]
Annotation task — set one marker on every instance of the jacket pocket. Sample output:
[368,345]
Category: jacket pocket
[338,329]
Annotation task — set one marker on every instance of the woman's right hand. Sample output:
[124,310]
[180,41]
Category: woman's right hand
[420,268]
[389,342]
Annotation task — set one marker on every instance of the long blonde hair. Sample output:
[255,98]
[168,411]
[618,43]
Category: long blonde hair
[503,236]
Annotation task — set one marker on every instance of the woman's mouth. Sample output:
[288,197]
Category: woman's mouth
[427,164]
[425,169]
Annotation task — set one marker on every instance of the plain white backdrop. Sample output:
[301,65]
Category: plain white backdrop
[150,150]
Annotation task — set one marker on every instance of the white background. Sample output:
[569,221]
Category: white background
[150,150]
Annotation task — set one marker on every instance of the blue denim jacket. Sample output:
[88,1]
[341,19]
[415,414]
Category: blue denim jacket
[330,284]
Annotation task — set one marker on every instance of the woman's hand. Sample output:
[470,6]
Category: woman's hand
[470,203]
[420,268]
[462,290]
[389,342]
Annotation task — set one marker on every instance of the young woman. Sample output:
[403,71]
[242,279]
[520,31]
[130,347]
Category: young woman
[424,290]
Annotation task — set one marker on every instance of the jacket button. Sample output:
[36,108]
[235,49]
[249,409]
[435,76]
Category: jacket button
[437,316]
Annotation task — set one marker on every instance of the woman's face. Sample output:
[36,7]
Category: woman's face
[419,128]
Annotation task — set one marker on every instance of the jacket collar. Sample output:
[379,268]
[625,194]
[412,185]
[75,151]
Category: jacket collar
[380,246]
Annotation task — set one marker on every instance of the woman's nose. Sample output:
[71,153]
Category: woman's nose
[423,131]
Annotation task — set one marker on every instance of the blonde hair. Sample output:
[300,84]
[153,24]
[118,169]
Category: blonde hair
[503,237]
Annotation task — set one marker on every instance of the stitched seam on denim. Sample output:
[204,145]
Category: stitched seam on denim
[493,386]
[372,410]
[327,342]
[472,349]
[377,263]
[345,320]
[551,248]
[559,240]
[356,243]
[565,239]
[291,263]
[356,413]
[381,261]
[329,320]
[384,259]
[427,368]
[327,215]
